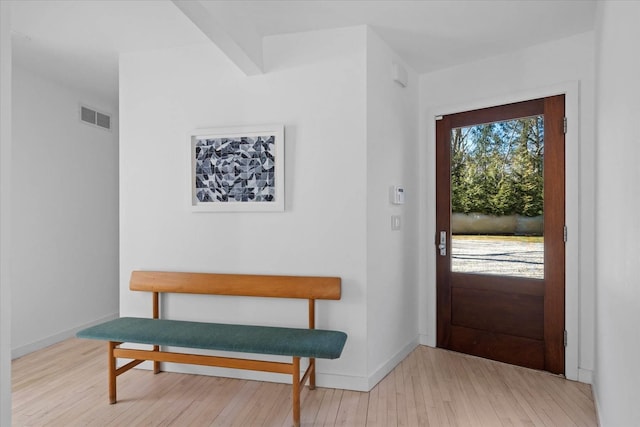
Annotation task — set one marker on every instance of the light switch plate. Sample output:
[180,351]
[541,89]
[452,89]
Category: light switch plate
[395,222]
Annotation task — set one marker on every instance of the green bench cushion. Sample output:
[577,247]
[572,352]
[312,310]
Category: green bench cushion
[216,336]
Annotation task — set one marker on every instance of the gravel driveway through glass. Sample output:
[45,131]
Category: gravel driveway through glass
[494,256]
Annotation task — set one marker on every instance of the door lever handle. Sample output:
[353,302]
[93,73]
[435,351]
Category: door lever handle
[443,243]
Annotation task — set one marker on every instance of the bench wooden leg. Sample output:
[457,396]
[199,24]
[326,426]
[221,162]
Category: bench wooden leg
[112,372]
[156,365]
[312,374]
[296,392]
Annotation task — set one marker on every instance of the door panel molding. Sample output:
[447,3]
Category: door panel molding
[530,353]
[471,308]
[498,283]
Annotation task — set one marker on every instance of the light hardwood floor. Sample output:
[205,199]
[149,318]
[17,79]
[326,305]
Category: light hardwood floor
[66,385]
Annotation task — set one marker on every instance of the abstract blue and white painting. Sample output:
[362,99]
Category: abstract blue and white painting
[237,169]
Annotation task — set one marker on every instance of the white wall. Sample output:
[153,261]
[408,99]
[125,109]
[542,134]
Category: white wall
[392,144]
[5,191]
[315,84]
[617,228]
[64,213]
[532,72]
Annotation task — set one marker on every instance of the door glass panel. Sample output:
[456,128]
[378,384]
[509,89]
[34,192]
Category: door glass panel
[497,198]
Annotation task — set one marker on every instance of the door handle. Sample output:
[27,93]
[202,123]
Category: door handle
[443,243]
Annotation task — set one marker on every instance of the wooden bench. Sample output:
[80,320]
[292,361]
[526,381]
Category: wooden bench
[294,342]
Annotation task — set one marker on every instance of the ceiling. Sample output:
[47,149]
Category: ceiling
[78,42]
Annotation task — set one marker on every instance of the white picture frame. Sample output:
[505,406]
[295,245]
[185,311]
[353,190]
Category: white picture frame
[237,169]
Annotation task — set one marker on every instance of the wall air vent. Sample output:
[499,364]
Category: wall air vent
[95,118]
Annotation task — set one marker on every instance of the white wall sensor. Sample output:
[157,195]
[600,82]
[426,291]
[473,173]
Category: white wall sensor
[397,195]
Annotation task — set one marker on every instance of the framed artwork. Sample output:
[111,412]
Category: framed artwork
[237,169]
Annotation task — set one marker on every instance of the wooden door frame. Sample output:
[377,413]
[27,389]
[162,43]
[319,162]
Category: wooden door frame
[427,268]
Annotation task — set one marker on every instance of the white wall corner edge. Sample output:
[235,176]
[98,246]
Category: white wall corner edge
[399,74]
[56,338]
[428,340]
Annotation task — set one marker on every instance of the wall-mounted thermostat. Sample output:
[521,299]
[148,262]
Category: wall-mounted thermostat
[397,195]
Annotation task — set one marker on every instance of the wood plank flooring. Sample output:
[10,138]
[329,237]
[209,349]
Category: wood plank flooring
[66,385]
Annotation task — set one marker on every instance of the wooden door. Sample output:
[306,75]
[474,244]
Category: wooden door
[501,192]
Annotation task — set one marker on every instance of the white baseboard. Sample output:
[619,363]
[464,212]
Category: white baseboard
[389,365]
[329,380]
[585,376]
[343,382]
[56,338]
[596,400]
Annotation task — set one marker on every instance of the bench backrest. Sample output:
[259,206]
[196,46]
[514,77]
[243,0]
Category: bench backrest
[305,287]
